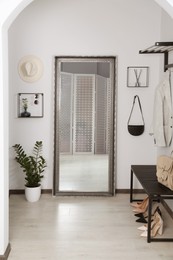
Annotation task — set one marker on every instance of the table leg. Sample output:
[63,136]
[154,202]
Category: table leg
[131,186]
[149,219]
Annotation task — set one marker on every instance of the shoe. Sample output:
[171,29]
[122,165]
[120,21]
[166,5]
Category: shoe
[142,220]
[141,215]
[138,204]
[145,227]
[143,207]
[156,227]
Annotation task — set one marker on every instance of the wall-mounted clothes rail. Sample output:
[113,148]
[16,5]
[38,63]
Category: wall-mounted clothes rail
[160,47]
[169,66]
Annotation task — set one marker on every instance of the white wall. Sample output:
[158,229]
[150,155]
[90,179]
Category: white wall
[166,27]
[167,5]
[49,28]
[7,14]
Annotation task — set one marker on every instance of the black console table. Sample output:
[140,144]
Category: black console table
[146,175]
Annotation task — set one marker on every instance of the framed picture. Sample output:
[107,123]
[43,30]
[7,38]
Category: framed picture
[30,105]
[137,77]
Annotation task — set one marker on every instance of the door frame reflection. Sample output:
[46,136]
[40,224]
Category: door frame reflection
[112,125]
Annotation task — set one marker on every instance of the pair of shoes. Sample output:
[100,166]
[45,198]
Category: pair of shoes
[145,227]
[138,204]
[143,217]
[156,225]
[142,207]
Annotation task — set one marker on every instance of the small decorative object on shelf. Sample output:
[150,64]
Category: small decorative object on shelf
[30,105]
[137,77]
[25,113]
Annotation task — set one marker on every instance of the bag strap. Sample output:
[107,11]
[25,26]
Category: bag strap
[140,107]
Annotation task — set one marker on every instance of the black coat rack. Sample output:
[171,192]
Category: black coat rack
[160,47]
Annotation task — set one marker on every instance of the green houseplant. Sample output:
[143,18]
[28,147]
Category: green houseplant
[32,165]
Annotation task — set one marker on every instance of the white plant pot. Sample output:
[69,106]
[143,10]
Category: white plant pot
[32,194]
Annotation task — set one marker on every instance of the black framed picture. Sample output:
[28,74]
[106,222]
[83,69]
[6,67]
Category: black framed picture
[137,77]
[30,105]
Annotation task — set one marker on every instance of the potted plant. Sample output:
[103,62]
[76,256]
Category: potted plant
[33,166]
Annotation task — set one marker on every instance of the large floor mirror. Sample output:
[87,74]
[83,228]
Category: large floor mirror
[84,159]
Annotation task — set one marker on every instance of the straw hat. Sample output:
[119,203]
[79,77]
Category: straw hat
[30,68]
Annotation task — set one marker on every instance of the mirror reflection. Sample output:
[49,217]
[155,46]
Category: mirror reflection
[84,121]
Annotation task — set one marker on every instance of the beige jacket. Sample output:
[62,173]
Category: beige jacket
[162,115]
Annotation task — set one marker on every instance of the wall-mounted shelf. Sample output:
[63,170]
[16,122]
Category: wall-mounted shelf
[160,47]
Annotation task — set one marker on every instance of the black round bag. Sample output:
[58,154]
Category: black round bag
[136,129]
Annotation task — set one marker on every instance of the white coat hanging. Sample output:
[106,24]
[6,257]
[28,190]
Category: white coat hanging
[161,128]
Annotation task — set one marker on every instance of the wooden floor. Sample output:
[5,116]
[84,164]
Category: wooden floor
[77,228]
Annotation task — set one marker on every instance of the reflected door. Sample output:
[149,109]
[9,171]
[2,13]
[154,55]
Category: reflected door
[84,114]
[65,116]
